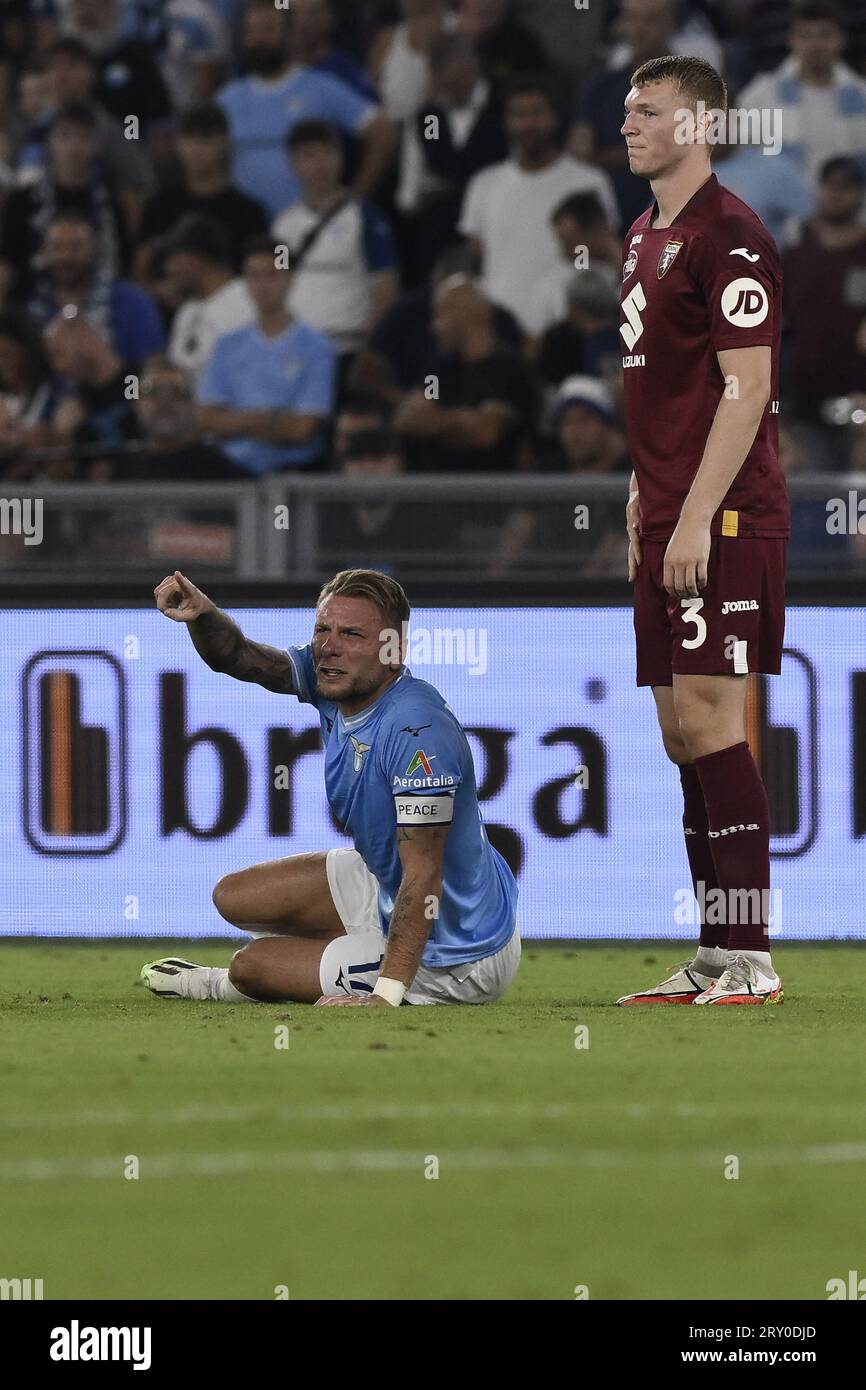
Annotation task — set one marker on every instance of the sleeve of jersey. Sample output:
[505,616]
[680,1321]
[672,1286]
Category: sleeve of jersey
[301,661]
[422,763]
[738,273]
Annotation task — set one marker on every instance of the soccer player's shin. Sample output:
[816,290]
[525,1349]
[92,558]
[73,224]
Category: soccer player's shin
[739,840]
[712,956]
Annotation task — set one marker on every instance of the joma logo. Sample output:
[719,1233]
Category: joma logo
[730,830]
[741,605]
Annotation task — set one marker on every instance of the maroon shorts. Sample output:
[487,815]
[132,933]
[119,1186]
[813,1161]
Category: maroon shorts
[736,626]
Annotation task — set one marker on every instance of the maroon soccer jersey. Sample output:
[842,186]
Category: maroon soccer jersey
[709,282]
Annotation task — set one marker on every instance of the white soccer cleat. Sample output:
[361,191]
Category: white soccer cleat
[172,978]
[683,987]
[743,983]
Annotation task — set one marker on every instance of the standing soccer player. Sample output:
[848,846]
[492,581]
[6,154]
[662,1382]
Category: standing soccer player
[708,512]
[423,909]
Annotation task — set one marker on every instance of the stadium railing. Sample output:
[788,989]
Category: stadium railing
[445,529]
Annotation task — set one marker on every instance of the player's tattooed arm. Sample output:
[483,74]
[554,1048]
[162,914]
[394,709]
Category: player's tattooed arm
[220,642]
[422,852]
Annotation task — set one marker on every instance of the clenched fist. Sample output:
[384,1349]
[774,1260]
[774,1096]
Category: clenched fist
[180,600]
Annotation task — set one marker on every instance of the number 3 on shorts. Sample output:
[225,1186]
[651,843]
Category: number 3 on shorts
[692,614]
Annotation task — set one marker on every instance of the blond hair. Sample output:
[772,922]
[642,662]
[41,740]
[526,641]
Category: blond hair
[379,588]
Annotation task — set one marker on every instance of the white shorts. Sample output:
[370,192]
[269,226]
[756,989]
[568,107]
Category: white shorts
[353,961]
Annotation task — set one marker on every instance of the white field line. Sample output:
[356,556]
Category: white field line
[359,1111]
[384,1160]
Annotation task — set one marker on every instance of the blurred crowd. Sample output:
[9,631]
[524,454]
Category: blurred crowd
[239,237]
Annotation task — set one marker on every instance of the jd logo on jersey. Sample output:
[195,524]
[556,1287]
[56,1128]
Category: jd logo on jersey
[420,760]
[667,257]
[745,303]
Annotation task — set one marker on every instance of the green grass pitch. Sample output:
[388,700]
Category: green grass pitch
[307,1167]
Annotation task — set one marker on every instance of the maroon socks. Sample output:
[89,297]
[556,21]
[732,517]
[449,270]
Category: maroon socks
[737,817]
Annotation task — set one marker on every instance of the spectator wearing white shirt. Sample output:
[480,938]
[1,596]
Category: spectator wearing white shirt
[822,102]
[586,243]
[344,262]
[196,266]
[398,59]
[508,207]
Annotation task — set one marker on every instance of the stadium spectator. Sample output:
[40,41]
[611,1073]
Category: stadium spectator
[166,423]
[691,31]
[197,275]
[467,121]
[588,435]
[586,243]
[73,75]
[484,405]
[507,210]
[586,536]
[648,28]
[194,53]
[313,24]
[72,281]
[71,181]
[356,413]
[345,271]
[504,46]
[774,185]
[268,389]
[402,350]
[820,101]
[825,305]
[586,339]
[276,95]
[399,56]
[129,81]
[390,534]
[204,190]
[34,411]
[93,372]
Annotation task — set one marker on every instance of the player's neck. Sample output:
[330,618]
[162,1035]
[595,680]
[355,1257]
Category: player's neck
[348,708]
[673,191]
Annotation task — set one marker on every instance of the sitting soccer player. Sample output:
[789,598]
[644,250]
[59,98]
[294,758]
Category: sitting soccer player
[422,910]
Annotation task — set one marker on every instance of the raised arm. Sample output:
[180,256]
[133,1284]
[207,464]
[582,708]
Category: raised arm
[218,639]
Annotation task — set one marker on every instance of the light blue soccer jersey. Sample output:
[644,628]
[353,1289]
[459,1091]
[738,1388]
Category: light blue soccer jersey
[408,744]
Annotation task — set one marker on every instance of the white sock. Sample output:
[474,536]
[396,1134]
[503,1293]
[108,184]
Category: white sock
[711,960]
[761,960]
[221,989]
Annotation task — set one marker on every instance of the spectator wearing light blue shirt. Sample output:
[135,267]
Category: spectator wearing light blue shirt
[263,108]
[773,185]
[268,389]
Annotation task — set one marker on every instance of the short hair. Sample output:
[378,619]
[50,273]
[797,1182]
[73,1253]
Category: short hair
[842,164]
[161,362]
[203,120]
[583,207]
[451,48]
[816,11]
[73,215]
[76,113]
[379,588]
[259,245]
[372,443]
[69,47]
[540,83]
[694,78]
[313,133]
[197,236]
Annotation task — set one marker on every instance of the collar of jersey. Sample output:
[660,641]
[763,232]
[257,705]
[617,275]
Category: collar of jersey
[354,721]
